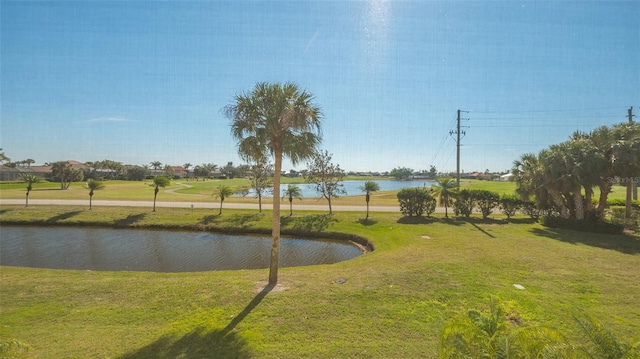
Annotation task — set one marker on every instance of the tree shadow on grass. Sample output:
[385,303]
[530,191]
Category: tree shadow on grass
[428,220]
[622,243]
[203,343]
[199,343]
[236,220]
[62,216]
[243,220]
[312,223]
[367,221]
[131,219]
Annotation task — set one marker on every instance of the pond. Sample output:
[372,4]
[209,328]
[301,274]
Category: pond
[352,187]
[104,249]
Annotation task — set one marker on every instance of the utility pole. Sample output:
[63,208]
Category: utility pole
[458,133]
[632,186]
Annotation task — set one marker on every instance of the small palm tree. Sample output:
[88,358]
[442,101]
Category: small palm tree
[29,179]
[93,185]
[445,188]
[600,342]
[159,181]
[368,188]
[292,192]
[222,192]
[186,167]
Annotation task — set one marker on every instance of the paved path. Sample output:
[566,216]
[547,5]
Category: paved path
[283,208]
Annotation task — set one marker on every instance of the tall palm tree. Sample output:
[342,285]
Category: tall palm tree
[222,192]
[445,188]
[93,185]
[159,182]
[369,187]
[29,179]
[275,120]
[292,191]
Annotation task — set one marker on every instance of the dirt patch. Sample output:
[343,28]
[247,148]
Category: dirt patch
[261,285]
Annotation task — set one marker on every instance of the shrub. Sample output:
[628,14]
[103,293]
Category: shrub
[614,202]
[618,216]
[464,203]
[486,201]
[509,205]
[415,202]
[530,208]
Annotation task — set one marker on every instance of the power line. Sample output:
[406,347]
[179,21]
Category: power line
[556,110]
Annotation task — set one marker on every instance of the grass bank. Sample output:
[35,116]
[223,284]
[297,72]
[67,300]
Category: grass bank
[392,302]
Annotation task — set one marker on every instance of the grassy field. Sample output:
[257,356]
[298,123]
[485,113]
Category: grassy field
[391,303]
[192,191]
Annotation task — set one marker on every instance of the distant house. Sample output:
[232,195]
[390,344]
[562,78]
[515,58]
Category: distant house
[506,177]
[178,171]
[15,173]
[481,176]
[9,173]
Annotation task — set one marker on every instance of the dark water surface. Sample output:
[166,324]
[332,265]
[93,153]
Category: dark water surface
[157,251]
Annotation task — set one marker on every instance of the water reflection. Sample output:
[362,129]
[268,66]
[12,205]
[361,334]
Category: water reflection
[157,251]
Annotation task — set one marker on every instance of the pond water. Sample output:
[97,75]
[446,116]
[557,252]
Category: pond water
[351,186]
[106,249]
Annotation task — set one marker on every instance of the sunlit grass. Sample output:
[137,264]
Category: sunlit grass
[392,302]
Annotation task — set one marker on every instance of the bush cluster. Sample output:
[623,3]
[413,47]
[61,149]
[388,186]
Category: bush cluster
[485,201]
[416,202]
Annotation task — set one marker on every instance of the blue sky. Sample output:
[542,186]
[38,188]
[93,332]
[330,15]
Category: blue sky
[142,81]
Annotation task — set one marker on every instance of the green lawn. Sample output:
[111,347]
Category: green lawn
[201,191]
[393,303]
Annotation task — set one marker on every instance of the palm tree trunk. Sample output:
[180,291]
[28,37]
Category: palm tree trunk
[558,201]
[605,188]
[155,194]
[27,200]
[220,212]
[367,198]
[446,202]
[275,232]
[579,204]
[90,199]
[290,206]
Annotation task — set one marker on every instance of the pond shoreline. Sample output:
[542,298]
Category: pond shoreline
[131,223]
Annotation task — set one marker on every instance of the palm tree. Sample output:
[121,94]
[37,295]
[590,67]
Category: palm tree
[155,165]
[491,335]
[222,192]
[186,167]
[600,342]
[277,120]
[29,179]
[292,192]
[445,189]
[61,170]
[369,187]
[159,181]
[93,185]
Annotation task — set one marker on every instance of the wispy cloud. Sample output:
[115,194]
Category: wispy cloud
[310,42]
[108,119]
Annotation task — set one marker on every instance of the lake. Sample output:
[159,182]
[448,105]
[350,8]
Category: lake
[352,187]
[105,249]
